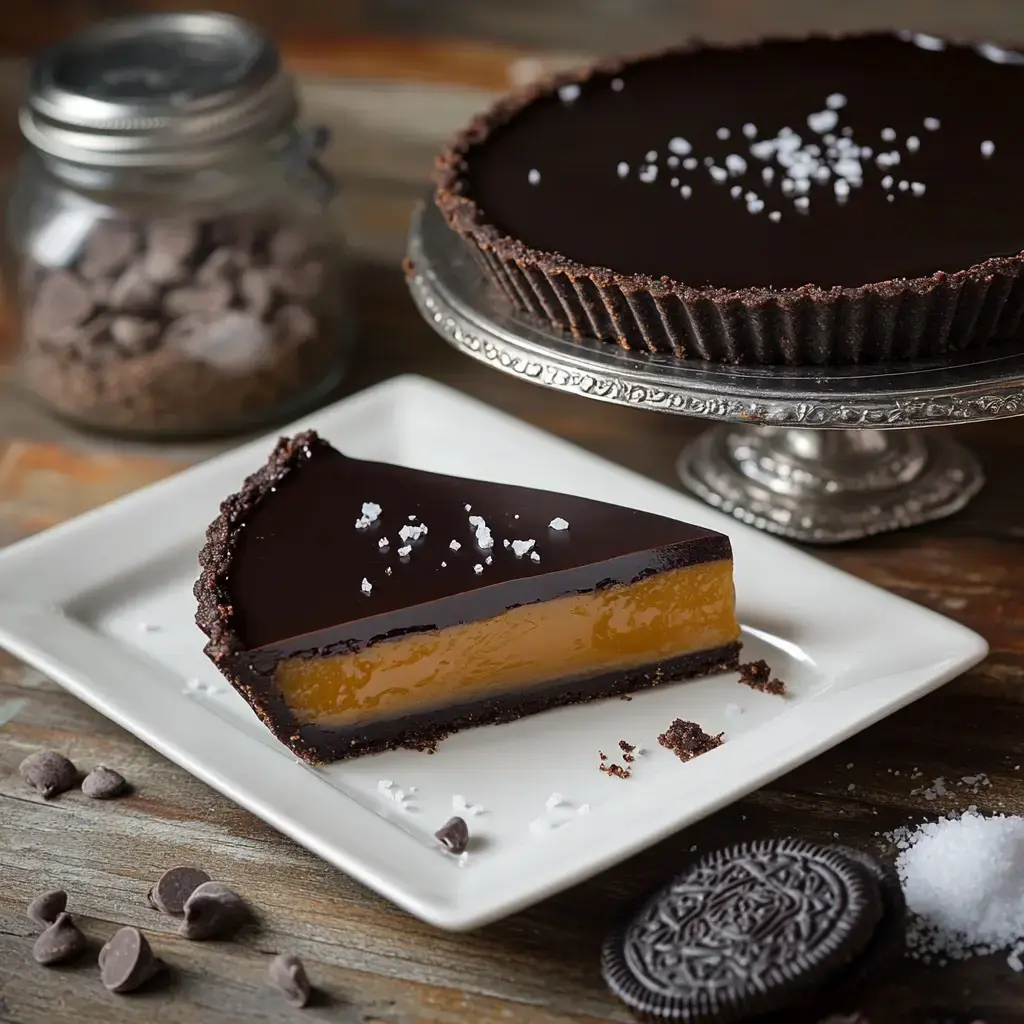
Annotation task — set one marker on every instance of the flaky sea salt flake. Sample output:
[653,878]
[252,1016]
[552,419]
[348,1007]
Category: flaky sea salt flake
[534,176]
[366,586]
[403,552]
[835,101]
[988,147]
[522,547]
[478,568]
[371,513]
[822,121]
[622,169]
[558,523]
[679,146]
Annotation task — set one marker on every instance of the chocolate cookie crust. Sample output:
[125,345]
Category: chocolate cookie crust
[944,298]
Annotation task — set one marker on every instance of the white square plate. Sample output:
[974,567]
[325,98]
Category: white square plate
[103,604]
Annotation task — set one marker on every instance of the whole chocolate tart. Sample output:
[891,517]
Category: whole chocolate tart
[820,201]
[360,606]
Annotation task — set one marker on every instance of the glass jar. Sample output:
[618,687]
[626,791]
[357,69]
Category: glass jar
[175,268]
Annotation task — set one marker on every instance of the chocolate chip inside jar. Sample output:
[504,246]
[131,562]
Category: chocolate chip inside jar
[183,324]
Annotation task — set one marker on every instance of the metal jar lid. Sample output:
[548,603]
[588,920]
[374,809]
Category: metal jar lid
[162,90]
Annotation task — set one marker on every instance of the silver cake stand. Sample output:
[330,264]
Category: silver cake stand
[816,454]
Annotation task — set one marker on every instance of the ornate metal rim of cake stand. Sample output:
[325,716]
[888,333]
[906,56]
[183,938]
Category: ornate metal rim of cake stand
[449,290]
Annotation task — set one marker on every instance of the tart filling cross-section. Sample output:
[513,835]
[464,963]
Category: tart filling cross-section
[360,606]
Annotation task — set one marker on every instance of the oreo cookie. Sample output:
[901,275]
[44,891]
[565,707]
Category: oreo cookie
[745,932]
[888,944]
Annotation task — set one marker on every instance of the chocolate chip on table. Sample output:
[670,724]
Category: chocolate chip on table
[45,909]
[127,961]
[174,887]
[453,835]
[103,783]
[48,772]
[213,911]
[288,974]
[60,942]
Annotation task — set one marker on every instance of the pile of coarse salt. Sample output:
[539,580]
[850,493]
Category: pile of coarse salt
[963,877]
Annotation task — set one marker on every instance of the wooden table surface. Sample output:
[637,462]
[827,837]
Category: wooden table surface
[377,965]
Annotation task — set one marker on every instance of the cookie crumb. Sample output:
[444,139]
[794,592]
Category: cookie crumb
[617,770]
[688,740]
[758,676]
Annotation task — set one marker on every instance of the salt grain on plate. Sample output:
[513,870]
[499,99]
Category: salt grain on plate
[988,147]
[835,101]
[622,169]
[534,557]
[555,800]
[569,93]
[931,123]
[750,130]
[558,523]
[371,513]
[889,134]
[534,176]
[679,146]
[366,586]
[404,551]
[583,809]
[478,568]
[617,84]
[522,547]
[383,543]
[686,191]
[690,163]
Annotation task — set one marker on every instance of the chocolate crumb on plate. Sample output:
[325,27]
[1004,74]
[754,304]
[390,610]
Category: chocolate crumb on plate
[103,783]
[758,676]
[174,887]
[49,773]
[288,974]
[453,835]
[127,962]
[60,942]
[213,911]
[45,909]
[688,740]
[617,770]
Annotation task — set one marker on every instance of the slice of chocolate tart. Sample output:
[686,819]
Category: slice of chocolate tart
[359,606]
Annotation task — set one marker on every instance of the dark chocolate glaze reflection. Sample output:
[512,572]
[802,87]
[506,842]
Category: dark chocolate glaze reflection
[551,177]
[296,561]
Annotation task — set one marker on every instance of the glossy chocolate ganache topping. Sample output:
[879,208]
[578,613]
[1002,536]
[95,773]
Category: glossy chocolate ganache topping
[837,162]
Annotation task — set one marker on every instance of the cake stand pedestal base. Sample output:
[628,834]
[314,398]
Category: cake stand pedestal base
[829,486]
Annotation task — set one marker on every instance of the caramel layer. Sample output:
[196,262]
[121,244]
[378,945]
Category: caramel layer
[663,617]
